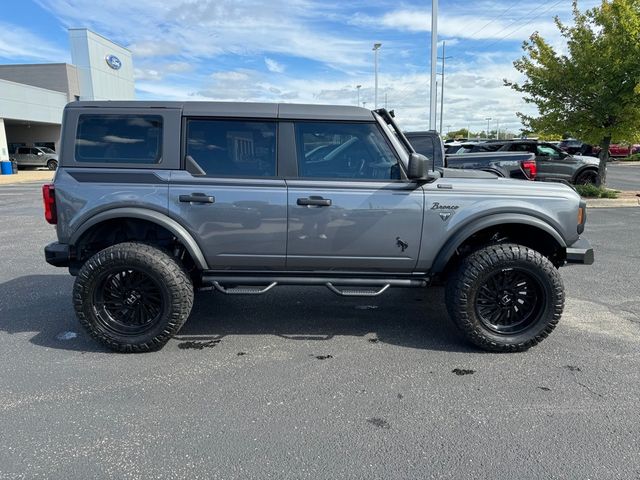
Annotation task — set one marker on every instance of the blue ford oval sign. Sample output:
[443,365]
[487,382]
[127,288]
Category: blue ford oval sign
[113,61]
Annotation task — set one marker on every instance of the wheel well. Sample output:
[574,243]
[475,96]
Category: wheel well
[119,230]
[522,234]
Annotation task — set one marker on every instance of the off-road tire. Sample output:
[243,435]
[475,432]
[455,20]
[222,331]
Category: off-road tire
[463,287]
[174,288]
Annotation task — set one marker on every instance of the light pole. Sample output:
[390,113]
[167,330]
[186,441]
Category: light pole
[498,129]
[448,129]
[433,109]
[364,104]
[488,119]
[443,58]
[358,87]
[376,47]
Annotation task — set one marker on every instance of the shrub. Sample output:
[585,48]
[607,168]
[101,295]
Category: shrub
[591,191]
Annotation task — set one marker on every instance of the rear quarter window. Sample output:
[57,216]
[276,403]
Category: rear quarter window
[118,139]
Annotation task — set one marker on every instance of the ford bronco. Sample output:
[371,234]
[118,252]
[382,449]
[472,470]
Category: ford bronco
[152,200]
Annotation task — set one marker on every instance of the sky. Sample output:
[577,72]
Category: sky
[304,51]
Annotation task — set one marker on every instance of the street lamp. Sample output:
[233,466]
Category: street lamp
[488,119]
[358,87]
[376,47]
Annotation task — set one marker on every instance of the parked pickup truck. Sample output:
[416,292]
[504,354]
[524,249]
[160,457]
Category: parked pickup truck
[520,165]
[152,200]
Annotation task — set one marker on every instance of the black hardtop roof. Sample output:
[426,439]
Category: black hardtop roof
[240,109]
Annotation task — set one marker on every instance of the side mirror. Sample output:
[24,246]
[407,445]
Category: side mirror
[417,166]
[40,153]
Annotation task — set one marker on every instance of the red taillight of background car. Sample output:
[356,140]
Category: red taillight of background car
[49,197]
[530,169]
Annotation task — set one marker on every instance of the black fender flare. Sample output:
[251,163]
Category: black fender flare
[152,216]
[474,226]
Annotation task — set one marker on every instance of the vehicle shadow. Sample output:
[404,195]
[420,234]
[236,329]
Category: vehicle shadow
[413,318]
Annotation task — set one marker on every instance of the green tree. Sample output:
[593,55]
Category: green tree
[592,89]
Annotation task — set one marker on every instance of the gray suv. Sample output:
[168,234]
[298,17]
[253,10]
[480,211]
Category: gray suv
[155,199]
[36,157]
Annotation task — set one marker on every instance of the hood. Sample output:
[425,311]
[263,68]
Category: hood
[587,159]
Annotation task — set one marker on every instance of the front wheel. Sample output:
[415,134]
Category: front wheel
[132,297]
[52,164]
[587,177]
[505,298]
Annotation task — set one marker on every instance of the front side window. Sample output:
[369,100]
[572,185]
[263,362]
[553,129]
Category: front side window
[233,148]
[133,139]
[344,151]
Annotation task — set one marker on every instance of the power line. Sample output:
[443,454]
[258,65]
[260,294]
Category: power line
[528,22]
[494,20]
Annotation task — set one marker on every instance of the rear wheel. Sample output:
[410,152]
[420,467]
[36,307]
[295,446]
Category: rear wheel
[132,297]
[505,298]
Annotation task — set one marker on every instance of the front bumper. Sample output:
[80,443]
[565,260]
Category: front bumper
[580,252]
[57,254]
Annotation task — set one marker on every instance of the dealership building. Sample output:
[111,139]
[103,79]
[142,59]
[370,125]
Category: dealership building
[33,96]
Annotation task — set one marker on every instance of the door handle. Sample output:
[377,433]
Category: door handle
[197,198]
[314,201]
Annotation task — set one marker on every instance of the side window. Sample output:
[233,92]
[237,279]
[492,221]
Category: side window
[23,150]
[35,151]
[547,151]
[345,151]
[119,139]
[423,145]
[233,148]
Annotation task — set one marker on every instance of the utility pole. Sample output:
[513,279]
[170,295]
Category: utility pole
[358,87]
[434,60]
[498,129]
[488,119]
[436,106]
[442,87]
[376,47]
[385,100]
[364,104]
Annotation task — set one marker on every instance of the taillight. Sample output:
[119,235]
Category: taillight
[49,197]
[530,169]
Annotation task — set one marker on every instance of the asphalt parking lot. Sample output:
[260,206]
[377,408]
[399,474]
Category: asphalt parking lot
[304,384]
[624,176]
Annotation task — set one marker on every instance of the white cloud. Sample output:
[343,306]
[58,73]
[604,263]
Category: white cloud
[273,66]
[19,43]
[208,28]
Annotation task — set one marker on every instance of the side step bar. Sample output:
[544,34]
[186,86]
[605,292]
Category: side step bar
[243,290]
[346,287]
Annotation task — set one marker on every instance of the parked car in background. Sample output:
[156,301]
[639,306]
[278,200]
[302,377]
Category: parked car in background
[555,165]
[521,166]
[622,150]
[36,157]
[577,147]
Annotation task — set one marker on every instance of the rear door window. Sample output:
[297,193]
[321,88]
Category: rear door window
[129,139]
[232,148]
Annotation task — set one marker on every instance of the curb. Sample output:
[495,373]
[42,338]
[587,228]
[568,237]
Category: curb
[628,199]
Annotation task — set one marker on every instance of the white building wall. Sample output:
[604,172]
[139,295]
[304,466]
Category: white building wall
[4,149]
[98,81]
[30,104]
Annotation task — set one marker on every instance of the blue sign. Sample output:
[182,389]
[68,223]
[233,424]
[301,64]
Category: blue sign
[113,61]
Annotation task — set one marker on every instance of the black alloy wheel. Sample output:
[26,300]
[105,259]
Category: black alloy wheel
[510,301]
[128,301]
